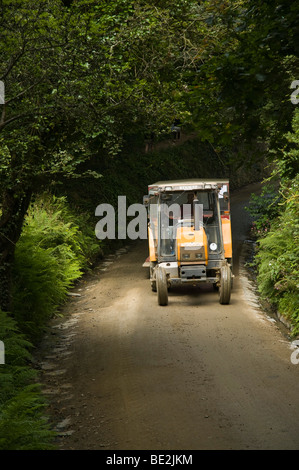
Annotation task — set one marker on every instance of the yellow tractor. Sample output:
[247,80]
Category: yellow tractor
[189,235]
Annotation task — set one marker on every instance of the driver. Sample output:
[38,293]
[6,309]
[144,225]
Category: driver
[187,209]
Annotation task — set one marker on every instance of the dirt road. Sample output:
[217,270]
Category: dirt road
[123,373]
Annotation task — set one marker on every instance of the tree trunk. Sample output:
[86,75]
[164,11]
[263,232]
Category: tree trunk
[14,208]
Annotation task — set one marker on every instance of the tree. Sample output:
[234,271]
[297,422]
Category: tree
[78,77]
[246,61]
[47,111]
[28,53]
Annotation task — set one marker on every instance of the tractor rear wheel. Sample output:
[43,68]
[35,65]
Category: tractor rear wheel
[161,283]
[225,285]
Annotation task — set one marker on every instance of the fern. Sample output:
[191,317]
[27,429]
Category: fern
[22,421]
[49,257]
[278,259]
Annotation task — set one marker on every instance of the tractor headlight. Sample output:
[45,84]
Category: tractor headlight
[198,255]
[186,256]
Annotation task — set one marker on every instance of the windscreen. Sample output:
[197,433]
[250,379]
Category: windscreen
[177,208]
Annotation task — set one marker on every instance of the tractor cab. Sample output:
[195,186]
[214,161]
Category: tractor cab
[189,235]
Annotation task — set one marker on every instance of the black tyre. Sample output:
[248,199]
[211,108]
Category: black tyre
[161,282]
[225,285]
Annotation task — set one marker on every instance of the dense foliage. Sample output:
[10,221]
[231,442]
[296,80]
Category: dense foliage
[51,254]
[23,425]
[263,208]
[86,84]
[276,226]
[278,259]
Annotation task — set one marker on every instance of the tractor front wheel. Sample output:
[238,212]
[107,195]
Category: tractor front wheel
[225,285]
[161,283]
